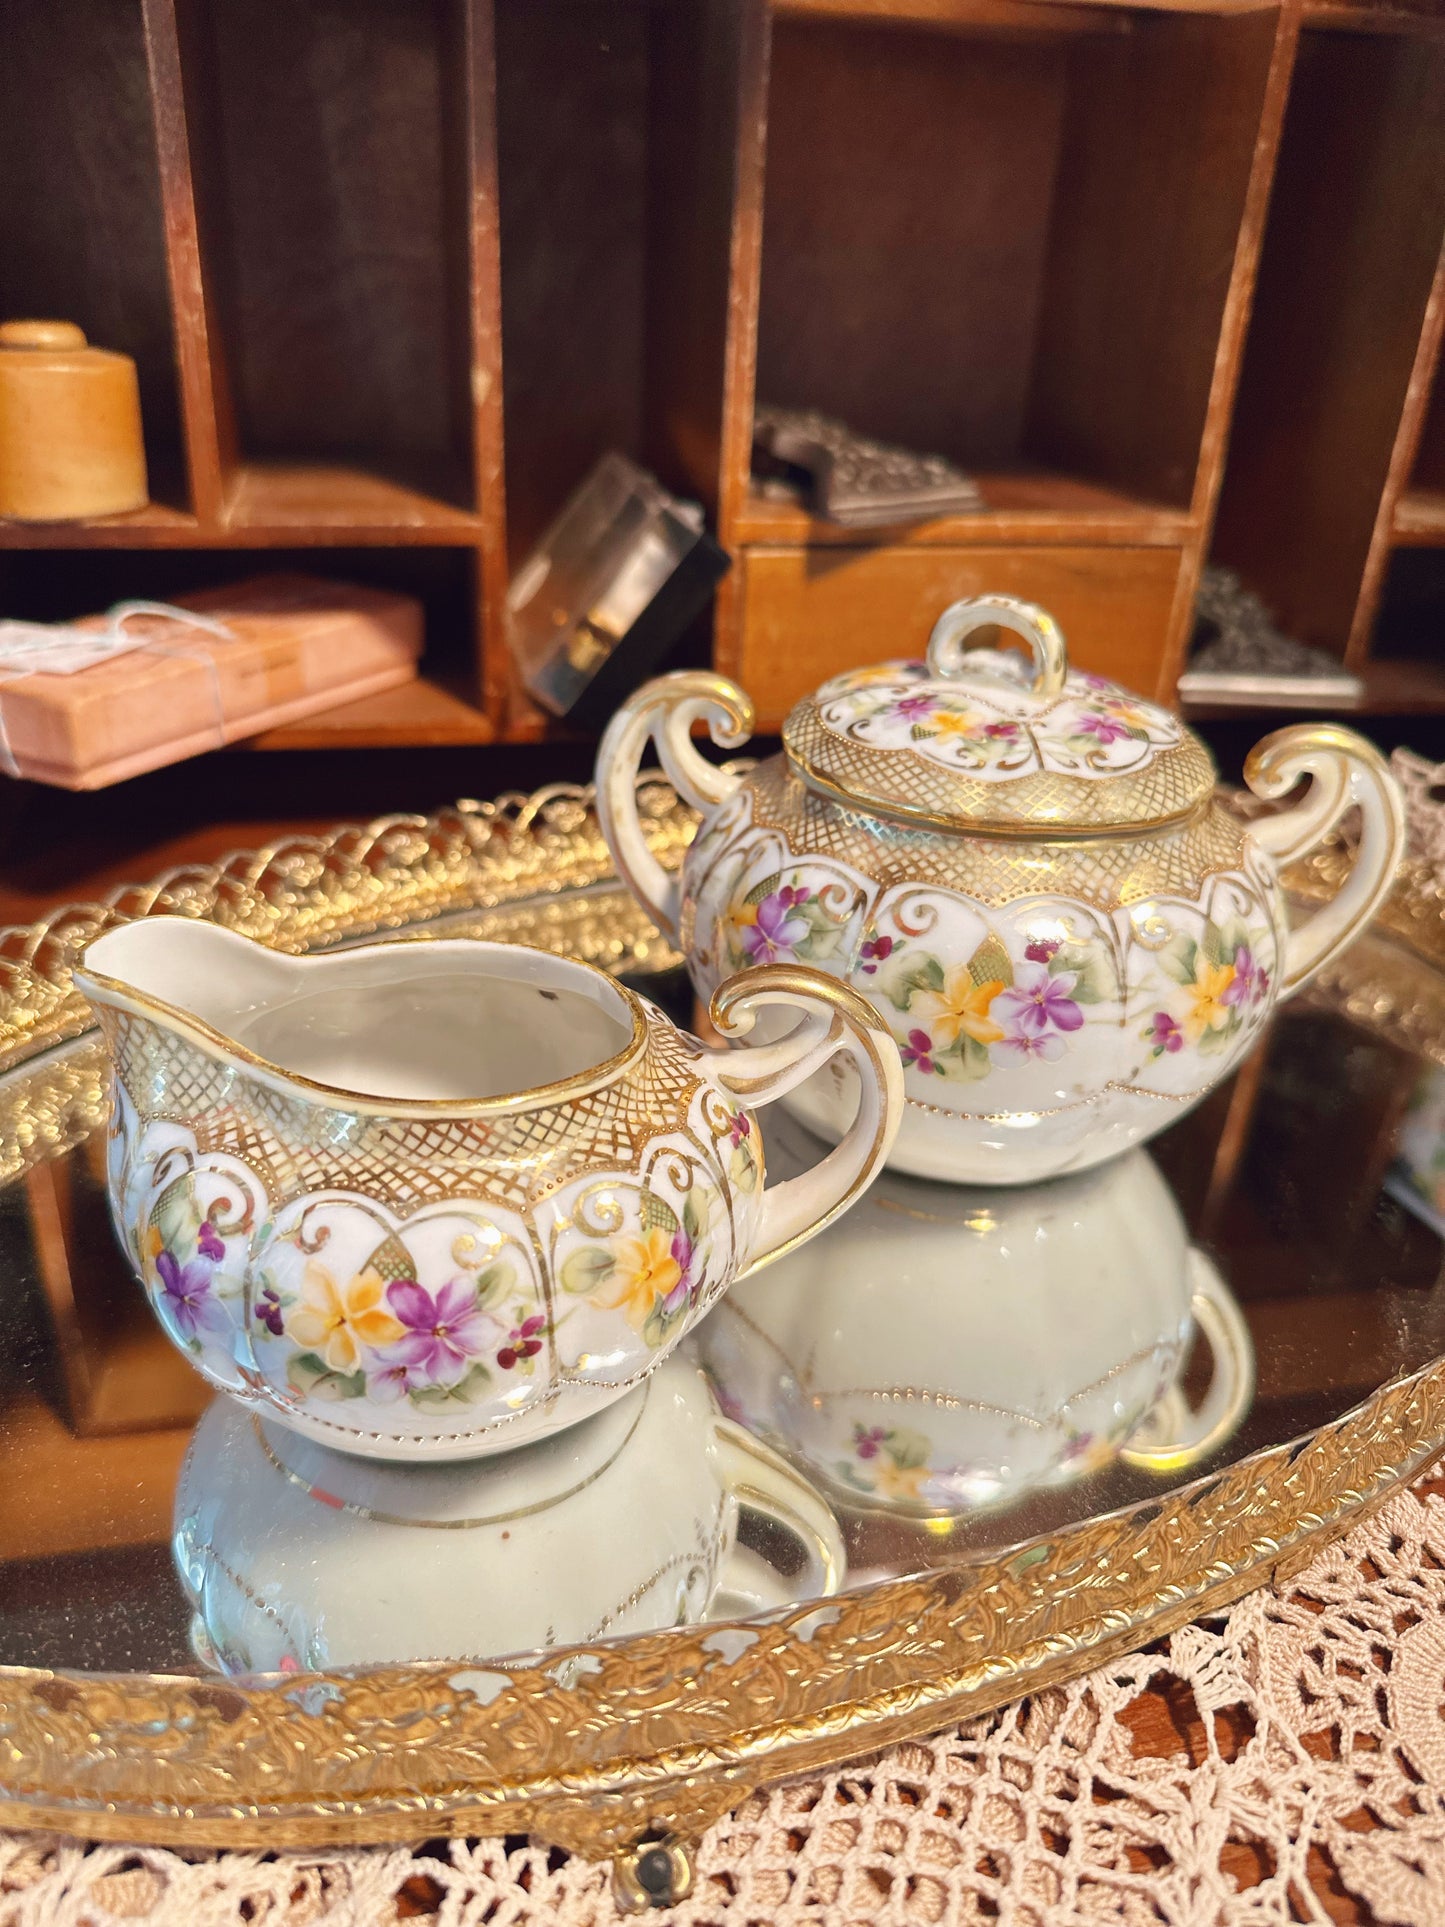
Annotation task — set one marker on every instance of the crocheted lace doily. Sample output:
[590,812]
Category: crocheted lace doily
[1284,1761]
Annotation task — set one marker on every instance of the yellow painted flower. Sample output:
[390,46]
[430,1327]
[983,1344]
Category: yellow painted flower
[151,1249]
[1126,712]
[955,722]
[643,1271]
[959,1009]
[335,1321]
[892,1481]
[1208,1010]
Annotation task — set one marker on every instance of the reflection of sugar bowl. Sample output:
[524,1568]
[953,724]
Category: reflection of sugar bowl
[951,1346]
[1068,935]
[296,1557]
[435,1199]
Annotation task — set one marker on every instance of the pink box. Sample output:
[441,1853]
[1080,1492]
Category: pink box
[299,644]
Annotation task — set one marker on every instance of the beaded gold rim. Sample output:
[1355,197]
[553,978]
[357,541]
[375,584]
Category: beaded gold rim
[596,1748]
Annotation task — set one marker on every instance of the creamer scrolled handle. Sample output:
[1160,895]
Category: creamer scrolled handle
[758,1480]
[834,1018]
[665,710]
[1344,769]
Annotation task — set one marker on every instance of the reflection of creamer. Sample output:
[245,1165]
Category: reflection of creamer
[296,1556]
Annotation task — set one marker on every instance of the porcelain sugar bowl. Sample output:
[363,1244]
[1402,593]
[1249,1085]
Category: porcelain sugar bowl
[1028,873]
[429,1200]
[951,1347]
[296,1557]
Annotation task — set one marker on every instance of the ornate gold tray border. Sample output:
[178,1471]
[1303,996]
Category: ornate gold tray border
[595,1748]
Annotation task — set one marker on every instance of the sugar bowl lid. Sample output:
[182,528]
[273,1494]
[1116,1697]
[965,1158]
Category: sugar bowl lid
[970,740]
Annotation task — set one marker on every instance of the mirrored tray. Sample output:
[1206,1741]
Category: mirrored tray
[110,1726]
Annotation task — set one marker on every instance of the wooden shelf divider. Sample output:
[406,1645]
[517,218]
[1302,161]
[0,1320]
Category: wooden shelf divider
[484,309]
[205,400]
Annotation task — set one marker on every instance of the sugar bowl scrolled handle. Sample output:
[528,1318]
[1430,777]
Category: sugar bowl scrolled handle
[1171,1436]
[665,709]
[835,1019]
[1344,770]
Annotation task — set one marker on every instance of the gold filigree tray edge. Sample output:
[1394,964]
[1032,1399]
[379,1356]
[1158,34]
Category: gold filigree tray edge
[645,1735]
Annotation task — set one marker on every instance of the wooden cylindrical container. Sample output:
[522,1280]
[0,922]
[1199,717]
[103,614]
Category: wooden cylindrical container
[70,427]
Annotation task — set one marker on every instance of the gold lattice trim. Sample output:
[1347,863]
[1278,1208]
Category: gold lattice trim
[901,781]
[513,1159]
[1108,872]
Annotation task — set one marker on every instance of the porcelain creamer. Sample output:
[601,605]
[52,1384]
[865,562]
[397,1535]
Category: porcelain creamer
[433,1199]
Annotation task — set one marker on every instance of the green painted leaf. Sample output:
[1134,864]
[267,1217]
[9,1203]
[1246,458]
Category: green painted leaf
[309,1375]
[692,1222]
[818,920]
[1212,1042]
[1094,979]
[907,1448]
[444,1398]
[968,1060]
[497,1278]
[1179,959]
[743,1169]
[902,979]
[659,1325]
[586,1268]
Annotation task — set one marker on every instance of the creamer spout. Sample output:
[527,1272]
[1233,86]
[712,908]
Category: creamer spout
[180,966]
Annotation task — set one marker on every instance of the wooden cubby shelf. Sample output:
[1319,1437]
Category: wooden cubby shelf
[1165,278]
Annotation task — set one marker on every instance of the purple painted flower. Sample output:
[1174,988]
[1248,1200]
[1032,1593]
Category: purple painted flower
[1002,731]
[1042,949]
[186,1296]
[268,1310]
[1038,1001]
[1108,729]
[397,1377]
[684,1256]
[912,709]
[777,930]
[1164,1034]
[740,1128]
[208,1243]
[523,1341]
[442,1333]
[1028,1047]
[875,950]
[867,1439]
[1251,980]
[918,1050]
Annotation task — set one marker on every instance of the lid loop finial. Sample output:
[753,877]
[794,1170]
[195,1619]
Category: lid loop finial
[1037,627]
